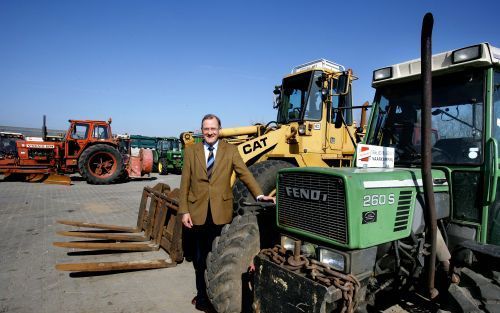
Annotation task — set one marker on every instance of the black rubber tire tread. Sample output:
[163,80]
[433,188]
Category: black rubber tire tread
[87,154]
[265,174]
[233,251]
[164,170]
[155,161]
[155,156]
[238,243]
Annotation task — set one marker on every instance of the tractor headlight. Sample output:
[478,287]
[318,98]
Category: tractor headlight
[466,54]
[382,73]
[307,249]
[332,259]
[302,129]
[288,243]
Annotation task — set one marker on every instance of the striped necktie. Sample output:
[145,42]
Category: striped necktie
[210,161]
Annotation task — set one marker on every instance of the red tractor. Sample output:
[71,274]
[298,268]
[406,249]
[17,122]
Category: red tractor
[87,148]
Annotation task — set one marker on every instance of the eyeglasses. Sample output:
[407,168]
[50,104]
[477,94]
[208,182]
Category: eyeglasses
[213,129]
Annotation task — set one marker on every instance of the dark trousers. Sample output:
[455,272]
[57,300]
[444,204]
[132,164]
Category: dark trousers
[203,236]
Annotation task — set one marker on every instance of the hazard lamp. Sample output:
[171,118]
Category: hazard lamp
[466,54]
[382,73]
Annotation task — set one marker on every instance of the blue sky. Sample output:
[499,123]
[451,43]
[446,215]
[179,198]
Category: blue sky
[156,67]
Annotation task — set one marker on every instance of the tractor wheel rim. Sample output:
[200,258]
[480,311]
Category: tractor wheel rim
[160,167]
[102,164]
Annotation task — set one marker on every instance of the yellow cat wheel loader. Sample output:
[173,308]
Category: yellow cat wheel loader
[314,127]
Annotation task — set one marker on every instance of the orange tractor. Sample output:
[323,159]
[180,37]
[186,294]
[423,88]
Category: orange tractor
[88,148]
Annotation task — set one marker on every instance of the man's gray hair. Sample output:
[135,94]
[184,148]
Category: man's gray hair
[209,117]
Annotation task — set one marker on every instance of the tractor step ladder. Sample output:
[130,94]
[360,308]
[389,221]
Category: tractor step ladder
[158,226]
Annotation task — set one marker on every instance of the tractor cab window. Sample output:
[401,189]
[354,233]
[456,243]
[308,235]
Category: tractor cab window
[301,98]
[8,145]
[457,119]
[175,145]
[294,96]
[314,103]
[100,132]
[167,145]
[80,131]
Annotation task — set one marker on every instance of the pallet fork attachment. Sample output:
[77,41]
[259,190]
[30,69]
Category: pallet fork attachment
[56,179]
[114,266]
[158,226]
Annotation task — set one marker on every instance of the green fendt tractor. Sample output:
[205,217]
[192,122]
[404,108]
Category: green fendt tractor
[426,228]
[170,155]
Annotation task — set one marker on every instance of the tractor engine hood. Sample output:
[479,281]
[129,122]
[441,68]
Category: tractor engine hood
[355,208]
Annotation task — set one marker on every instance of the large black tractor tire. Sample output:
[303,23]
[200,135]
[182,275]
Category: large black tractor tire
[228,262]
[233,251]
[101,164]
[265,174]
[162,166]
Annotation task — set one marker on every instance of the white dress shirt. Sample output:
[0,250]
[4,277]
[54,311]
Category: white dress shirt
[205,147]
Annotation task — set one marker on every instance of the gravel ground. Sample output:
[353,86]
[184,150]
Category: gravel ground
[29,281]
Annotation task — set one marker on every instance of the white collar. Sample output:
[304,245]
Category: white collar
[215,145]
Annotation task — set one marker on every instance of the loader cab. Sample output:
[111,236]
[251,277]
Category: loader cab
[302,93]
[465,135]
[315,101]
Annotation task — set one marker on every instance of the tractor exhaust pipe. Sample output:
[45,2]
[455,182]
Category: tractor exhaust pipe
[430,212]
[44,129]
[364,109]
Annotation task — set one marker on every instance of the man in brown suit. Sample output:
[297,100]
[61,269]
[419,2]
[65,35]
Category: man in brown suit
[206,199]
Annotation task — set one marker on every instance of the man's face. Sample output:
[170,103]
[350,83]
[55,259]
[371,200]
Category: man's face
[210,130]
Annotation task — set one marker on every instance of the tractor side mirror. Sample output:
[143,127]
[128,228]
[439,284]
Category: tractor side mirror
[277,97]
[343,83]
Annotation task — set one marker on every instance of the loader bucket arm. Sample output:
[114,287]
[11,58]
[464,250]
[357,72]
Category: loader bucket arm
[239,131]
[256,147]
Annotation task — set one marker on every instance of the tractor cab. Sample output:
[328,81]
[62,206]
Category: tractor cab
[81,133]
[465,130]
[8,146]
[169,144]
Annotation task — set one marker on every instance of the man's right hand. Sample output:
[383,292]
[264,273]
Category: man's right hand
[186,220]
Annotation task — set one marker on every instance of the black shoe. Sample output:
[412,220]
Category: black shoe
[203,304]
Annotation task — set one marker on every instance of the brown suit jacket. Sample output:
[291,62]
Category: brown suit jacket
[197,190]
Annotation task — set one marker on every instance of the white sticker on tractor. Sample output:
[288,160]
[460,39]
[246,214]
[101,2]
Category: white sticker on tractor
[473,153]
[40,146]
[374,156]
[317,126]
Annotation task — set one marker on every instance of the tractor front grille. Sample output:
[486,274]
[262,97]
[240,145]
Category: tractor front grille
[403,211]
[314,203]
